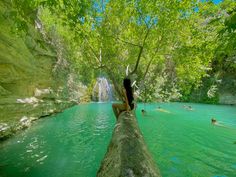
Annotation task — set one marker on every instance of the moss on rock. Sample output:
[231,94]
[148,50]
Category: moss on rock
[29,84]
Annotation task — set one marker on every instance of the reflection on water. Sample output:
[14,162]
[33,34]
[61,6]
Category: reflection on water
[69,144]
[73,143]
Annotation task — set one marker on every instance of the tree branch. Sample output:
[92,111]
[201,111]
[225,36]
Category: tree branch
[127,42]
[140,53]
[148,66]
[91,48]
[149,63]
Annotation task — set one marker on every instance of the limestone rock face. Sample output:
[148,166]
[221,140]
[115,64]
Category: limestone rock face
[34,82]
[127,154]
[227,98]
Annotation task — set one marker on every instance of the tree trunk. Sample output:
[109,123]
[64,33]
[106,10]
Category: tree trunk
[127,154]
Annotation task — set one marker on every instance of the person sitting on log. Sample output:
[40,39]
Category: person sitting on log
[128,98]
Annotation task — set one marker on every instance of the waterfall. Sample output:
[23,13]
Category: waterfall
[102,90]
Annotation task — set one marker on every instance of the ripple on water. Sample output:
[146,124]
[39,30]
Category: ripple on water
[200,147]
[73,143]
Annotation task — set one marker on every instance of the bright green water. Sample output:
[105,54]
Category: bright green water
[72,144]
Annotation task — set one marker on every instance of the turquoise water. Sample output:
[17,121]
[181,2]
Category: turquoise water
[72,144]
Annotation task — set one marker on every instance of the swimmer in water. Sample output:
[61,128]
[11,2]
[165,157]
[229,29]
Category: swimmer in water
[213,121]
[143,112]
[188,107]
[162,110]
[216,123]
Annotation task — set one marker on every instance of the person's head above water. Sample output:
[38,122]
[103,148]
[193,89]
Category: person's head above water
[129,91]
[143,112]
[213,120]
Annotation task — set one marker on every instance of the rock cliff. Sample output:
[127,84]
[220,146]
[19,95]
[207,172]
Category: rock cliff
[36,79]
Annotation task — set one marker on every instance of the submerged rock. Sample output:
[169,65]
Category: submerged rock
[42,158]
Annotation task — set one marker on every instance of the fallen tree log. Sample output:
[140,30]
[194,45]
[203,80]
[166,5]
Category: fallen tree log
[127,154]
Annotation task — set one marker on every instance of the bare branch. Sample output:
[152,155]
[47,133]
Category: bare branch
[148,66]
[155,53]
[137,62]
[140,53]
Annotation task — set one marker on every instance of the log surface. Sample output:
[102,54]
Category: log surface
[127,154]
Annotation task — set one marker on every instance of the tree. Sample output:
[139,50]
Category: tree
[155,38]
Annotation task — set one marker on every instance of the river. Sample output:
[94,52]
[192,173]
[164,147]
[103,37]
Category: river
[183,142]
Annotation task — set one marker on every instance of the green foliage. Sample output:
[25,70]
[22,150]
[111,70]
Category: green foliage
[168,45]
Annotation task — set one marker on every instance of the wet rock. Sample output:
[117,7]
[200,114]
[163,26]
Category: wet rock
[30,100]
[5,130]
[3,127]
[25,122]
[39,92]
